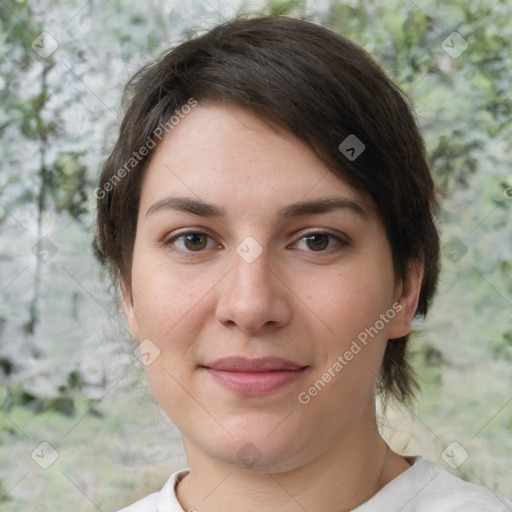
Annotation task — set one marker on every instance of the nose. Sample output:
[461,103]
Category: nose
[254,297]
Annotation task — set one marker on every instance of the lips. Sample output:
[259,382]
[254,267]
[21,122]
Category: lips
[254,376]
[241,364]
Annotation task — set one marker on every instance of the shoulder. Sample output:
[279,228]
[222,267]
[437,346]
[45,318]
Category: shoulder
[438,490]
[448,492]
[427,487]
[146,504]
[451,494]
[167,495]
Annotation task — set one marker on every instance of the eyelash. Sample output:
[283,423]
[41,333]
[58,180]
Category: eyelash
[170,242]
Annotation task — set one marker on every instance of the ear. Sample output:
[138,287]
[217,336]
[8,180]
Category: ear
[129,310]
[406,301]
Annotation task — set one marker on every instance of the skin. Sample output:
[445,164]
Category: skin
[201,301]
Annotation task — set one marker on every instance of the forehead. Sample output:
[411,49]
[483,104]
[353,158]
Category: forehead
[225,154]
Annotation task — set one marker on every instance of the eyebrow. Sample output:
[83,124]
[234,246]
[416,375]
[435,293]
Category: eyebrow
[302,208]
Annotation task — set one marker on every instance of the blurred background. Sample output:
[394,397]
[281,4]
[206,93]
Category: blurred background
[79,429]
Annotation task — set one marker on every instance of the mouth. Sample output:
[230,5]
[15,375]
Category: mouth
[254,376]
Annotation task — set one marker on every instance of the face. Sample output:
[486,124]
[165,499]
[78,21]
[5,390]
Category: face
[265,283]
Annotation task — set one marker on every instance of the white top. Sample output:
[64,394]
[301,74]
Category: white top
[425,487]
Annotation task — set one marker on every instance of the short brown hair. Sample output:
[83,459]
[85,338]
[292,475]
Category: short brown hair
[317,85]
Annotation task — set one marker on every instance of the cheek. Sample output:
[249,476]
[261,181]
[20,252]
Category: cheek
[170,310]
[351,300]
[350,304]
[163,298]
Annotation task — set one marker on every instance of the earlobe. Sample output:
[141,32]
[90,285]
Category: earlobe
[407,299]
[130,311]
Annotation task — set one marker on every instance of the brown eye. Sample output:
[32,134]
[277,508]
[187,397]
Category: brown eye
[321,242]
[190,242]
[317,242]
[195,241]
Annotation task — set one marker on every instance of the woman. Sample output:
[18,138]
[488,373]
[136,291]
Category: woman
[267,213]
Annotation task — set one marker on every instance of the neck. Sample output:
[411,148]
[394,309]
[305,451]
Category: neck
[339,479]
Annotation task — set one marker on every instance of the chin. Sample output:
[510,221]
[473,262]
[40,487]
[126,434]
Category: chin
[260,449]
